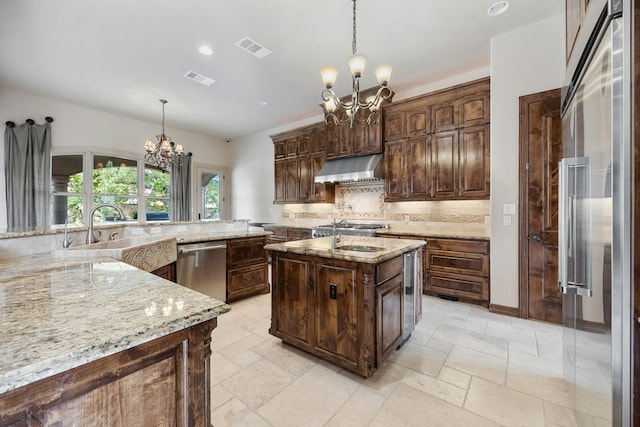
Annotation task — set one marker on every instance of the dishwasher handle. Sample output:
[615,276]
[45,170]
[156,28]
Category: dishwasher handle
[202,248]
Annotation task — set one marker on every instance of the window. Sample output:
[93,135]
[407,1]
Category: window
[67,189]
[78,179]
[156,191]
[210,193]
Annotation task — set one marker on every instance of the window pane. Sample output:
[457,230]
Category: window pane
[128,205]
[63,207]
[115,176]
[210,193]
[67,188]
[157,209]
[156,182]
[66,174]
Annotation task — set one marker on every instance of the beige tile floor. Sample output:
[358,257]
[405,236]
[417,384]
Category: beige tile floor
[463,366]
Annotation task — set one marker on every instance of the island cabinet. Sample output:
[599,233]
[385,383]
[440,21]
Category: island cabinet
[162,382]
[167,272]
[346,312]
[286,234]
[437,145]
[298,156]
[247,268]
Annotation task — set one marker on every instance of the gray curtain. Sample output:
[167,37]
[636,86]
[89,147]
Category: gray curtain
[27,172]
[181,190]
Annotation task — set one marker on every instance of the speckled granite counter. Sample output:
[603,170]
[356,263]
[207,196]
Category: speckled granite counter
[59,313]
[389,248]
[444,230]
[441,230]
[219,235]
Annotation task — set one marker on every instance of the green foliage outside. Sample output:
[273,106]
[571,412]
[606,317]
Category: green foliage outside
[120,181]
[211,199]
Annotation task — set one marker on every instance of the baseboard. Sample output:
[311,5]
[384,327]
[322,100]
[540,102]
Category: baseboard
[595,327]
[505,310]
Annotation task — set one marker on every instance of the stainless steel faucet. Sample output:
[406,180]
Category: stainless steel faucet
[335,240]
[90,237]
[67,240]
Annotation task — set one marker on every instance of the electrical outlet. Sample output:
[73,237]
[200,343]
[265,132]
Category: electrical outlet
[509,209]
[333,291]
[137,231]
[506,220]
[182,228]
[156,230]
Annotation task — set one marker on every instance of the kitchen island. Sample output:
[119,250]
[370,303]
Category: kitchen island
[97,341]
[343,301]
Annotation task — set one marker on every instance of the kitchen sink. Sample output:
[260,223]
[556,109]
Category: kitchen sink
[359,248]
[146,253]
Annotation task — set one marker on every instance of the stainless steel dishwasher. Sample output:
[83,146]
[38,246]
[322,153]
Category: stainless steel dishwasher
[203,268]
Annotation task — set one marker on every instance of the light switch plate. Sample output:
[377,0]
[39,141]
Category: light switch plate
[509,209]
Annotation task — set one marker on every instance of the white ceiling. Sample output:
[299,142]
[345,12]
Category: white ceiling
[121,56]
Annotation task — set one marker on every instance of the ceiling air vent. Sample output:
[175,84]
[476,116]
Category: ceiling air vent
[253,47]
[200,78]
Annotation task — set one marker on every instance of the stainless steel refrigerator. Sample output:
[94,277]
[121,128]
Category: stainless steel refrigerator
[594,218]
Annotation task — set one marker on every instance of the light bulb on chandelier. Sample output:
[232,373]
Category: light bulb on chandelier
[164,153]
[332,105]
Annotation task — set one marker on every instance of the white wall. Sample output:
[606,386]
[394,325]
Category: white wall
[76,126]
[524,61]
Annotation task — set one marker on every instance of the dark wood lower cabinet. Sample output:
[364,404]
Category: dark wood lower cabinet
[167,272]
[247,268]
[164,382]
[458,269]
[345,312]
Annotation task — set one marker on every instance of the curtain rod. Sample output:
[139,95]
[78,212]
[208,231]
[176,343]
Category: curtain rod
[29,121]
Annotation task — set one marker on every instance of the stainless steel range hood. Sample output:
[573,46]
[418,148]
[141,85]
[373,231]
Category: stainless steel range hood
[352,170]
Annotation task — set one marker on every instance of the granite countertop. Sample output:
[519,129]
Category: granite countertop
[59,313]
[217,235]
[389,248]
[441,230]
[438,230]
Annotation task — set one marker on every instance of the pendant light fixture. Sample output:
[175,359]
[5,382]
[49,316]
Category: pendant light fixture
[333,106]
[165,152]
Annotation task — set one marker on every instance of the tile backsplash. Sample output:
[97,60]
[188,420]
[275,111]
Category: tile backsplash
[366,202]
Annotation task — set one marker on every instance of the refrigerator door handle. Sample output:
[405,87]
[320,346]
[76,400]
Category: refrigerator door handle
[571,187]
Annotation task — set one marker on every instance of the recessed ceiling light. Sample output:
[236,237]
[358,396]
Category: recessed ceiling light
[498,8]
[262,103]
[205,50]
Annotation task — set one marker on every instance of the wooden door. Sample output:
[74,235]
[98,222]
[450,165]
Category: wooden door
[473,168]
[291,180]
[280,180]
[337,311]
[445,163]
[293,296]
[540,152]
[395,171]
[419,167]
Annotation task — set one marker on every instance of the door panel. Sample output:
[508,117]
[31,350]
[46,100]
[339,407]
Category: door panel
[541,144]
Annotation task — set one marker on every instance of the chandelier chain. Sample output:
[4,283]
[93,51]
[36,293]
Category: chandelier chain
[354,48]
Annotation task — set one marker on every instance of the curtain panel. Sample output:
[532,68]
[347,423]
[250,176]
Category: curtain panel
[27,168]
[181,190]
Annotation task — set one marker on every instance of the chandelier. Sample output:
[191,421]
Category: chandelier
[332,105]
[163,153]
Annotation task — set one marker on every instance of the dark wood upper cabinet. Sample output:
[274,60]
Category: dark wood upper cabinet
[446,115]
[474,162]
[299,155]
[445,163]
[575,10]
[437,145]
[475,109]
